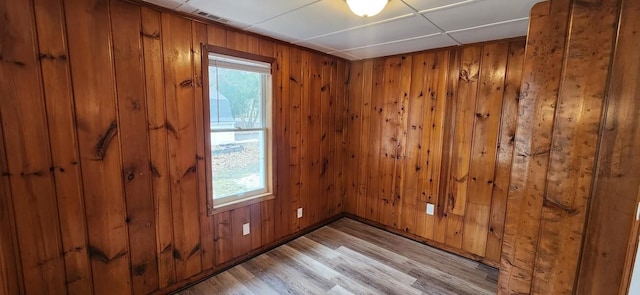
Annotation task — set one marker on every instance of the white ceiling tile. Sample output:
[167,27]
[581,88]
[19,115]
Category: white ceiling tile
[492,32]
[480,12]
[421,5]
[344,55]
[315,46]
[412,45]
[276,35]
[328,16]
[248,11]
[171,4]
[397,29]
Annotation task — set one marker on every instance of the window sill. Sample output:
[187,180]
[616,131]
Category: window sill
[241,203]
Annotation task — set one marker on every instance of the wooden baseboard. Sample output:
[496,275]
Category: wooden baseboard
[241,259]
[422,240]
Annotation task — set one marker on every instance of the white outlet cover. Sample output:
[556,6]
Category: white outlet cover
[430,209]
[299,212]
[246,229]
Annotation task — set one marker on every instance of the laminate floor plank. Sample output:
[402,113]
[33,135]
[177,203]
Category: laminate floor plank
[349,257]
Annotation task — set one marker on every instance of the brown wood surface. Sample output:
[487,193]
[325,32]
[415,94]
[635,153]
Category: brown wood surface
[136,173]
[11,281]
[349,257]
[296,87]
[88,26]
[365,146]
[64,150]
[26,137]
[413,147]
[431,190]
[617,183]
[154,90]
[557,144]
[504,157]
[179,94]
[110,136]
[305,162]
[540,81]
[574,144]
[416,117]
[484,146]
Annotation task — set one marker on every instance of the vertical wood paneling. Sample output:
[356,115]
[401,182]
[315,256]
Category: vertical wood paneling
[281,133]
[131,104]
[199,38]
[540,81]
[340,129]
[483,147]
[56,80]
[222,237]
[89,33]
[216,36]
[256,225]
[436,106]
[352,138]
[424,223]
[10,278]
[424,123]
[445,196]
[389,109]
[618,181]
[179,91]
[326,139]
[314,137]
[467,97]
[241,242]
[409,207]
[111,140]
[406,66]
[574,144]
[305,156]
[154,90]
[296,88]
[365,145]
[26,141]
[504,156]
[266,214]
[376,120]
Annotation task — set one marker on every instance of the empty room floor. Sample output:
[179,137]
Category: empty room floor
[349,257]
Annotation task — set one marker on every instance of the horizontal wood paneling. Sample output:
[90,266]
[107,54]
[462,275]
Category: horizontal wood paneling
[431,112]
[105,178]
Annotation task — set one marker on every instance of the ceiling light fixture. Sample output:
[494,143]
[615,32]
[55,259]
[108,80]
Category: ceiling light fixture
[366,8]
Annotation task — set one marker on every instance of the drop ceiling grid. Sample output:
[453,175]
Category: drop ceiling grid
[403,26]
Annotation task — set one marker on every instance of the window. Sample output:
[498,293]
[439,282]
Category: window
[239,101]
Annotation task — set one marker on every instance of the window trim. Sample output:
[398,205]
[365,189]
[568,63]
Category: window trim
[230,204]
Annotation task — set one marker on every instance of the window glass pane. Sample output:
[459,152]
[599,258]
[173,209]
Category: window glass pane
[238,160]
[236,98]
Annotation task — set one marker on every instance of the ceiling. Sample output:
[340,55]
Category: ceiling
[403,26]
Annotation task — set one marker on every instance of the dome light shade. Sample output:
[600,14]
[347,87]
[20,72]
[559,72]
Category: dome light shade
[366,8]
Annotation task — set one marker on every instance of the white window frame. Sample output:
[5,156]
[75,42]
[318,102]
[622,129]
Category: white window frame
[231,59]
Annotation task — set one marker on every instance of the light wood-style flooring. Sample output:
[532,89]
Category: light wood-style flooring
[349,257]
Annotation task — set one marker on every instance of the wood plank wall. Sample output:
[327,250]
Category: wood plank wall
[565,80]
[617,185]
[435,127]
[102,148]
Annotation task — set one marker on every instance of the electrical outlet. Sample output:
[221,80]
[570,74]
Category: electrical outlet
[430,209]
[246,229]
[299,212]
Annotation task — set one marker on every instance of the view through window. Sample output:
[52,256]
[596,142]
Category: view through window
[239,94]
